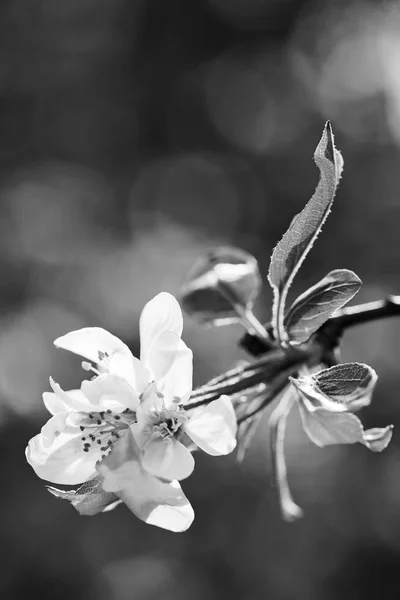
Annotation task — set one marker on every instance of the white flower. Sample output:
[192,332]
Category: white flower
[134,408]
[162,422]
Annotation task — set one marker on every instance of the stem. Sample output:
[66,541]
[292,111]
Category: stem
[252,324]
[277,424]
[273,369]
[370,311]
[330,333]
[247,318]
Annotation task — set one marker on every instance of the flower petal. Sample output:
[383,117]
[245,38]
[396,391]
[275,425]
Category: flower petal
[109,352]
[90,341]
[161,354]
[60,401]
[214,427]
[152,500]
[178,381]
[56,453]
[325,428]
[110,392]
[168,458]
[161,314]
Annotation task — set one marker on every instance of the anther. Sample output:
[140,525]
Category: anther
[81,427]
[83,439]
[99,441]
[109,411]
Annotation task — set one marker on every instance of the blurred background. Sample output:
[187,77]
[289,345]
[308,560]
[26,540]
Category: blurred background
[135,135]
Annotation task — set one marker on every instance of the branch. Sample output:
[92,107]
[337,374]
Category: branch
[362,313]
[331,332]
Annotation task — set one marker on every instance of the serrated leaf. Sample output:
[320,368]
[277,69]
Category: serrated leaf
[344,387]
[313,308]
[327,400]
[89,498]
[294,246]
[219,282]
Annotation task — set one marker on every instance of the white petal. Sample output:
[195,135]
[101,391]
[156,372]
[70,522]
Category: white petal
[161,314]
[214,427]
[152,500]
[162,354]
[110,392]
[178,381]
[89,341]
[61,401]
[131,369]
[105,349]
[150,401]
[56,453]
[168,458]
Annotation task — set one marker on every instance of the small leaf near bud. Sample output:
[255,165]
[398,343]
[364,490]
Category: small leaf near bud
[89,498]
[221,286]
[328,400]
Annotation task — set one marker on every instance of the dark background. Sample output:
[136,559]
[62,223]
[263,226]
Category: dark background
[134,135]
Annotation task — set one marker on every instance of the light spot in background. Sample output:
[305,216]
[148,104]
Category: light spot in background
[250,99]
[50,214]
[27,354]
[118,283]
[349,67]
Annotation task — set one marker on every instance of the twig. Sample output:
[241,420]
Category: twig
[277,424]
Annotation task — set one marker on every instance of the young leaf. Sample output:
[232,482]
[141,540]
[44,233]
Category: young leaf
[89,498]
[325,428]
[326,401]
[313,308]
[344,387]
[221,285]
[305,227]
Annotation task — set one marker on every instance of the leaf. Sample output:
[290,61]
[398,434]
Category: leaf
[343,387]
[294,246]
[221,282]
[313,308]
[325,428]
[327,400]
[89,498]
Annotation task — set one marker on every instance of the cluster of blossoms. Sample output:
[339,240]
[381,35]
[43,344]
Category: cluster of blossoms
[126,429]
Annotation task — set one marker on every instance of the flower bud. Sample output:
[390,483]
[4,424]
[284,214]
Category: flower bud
[221,287]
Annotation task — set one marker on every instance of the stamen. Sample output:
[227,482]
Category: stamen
[87,366]
[105,425]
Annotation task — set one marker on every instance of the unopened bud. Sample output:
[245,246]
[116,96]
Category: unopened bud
[221,286]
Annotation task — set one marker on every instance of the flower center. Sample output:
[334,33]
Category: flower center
[168,422]
[102,429]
